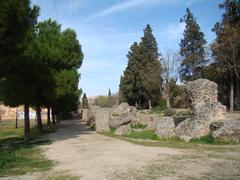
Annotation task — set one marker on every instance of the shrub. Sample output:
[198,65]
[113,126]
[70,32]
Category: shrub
[162,105]
[138,126]
[205,140]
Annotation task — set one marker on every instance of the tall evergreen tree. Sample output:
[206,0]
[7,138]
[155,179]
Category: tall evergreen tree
[151,72]
[191,49]
[131,82]
[141,82]
[109,92]
[226,49]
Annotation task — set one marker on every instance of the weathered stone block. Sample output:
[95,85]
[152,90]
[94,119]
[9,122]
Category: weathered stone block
[165,128]
[204,107]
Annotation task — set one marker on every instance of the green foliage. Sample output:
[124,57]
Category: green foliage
[16,20]
[18,161]
[192,49]
[205,140]
[131,83]
[226,52]
[142,80]
[138,126]
[67,93]
[210,140]
[162,105]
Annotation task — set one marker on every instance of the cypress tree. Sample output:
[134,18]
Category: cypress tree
[151,69]
[131,81]
[141,82]
[109,92]
[191,49]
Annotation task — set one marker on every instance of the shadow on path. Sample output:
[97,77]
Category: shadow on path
[69,129]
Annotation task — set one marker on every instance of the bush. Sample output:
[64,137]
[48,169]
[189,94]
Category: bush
[205,140]
[161,107]
[138,126]
[169,112]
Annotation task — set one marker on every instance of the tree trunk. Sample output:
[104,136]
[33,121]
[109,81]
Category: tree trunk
[238,95]
[53,117]
[16,123]
[231,96]
[26,122]
[48,117]
[39,117]
[168,102]
[149,104]
[136,105]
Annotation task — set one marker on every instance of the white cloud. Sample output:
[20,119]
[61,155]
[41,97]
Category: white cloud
[173,31]
[130,4]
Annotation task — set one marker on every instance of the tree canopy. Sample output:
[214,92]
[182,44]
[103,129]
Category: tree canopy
[191,48]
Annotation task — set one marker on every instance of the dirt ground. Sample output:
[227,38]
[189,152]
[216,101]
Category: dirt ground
[80,151]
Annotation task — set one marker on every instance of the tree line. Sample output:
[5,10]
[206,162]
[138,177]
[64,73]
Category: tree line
[39,63]
[150,75]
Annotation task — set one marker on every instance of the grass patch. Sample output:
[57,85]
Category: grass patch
[148,138]
[138,126]
[19,156]
[63,177]
[210,140]
[21,160]
[142,135]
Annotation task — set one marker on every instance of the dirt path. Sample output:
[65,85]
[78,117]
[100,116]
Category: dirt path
[82,152]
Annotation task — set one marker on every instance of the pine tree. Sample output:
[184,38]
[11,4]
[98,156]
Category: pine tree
[17,19]
[191,49]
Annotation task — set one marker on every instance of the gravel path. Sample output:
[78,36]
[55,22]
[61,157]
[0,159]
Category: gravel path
[80,151]
[85,153]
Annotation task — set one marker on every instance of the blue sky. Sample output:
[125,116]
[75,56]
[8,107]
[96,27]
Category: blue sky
[107,28]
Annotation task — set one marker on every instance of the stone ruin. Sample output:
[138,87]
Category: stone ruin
[208,116]
[205,110]
[121,118]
